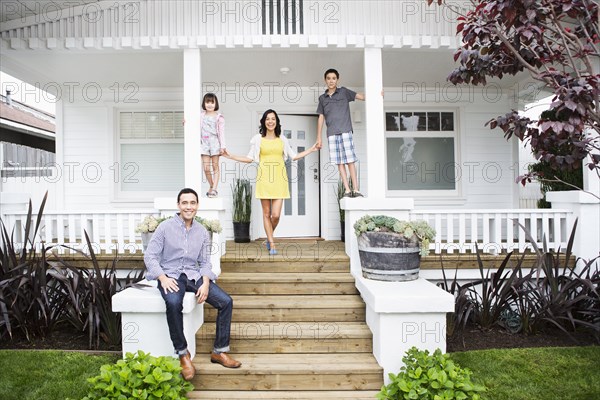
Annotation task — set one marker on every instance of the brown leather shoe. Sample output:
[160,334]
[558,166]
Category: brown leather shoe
[187,368]
[225,360]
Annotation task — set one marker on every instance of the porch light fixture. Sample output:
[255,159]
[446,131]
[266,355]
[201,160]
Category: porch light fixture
[284,70]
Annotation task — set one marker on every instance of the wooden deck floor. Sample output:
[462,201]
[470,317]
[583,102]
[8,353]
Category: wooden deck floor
[309,251]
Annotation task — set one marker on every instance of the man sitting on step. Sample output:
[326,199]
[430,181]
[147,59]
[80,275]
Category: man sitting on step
[178,256]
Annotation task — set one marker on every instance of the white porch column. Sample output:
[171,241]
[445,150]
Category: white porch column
[374,124]
[591,182]
[192,104]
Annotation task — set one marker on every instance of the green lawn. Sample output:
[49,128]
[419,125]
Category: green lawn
[47,375]
[571,373]
[515,374]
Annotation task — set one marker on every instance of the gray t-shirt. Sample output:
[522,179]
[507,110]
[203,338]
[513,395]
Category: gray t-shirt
[336,110]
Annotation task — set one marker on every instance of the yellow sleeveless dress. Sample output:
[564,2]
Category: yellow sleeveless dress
[271,179]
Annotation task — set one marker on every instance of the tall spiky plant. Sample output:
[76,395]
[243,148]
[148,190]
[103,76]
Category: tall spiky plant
[242,200]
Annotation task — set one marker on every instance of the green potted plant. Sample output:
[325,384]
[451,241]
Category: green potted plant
[242,208]
[147,227]
[390,249]
[149,224]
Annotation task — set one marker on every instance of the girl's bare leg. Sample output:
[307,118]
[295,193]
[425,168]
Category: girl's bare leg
[216,171]
[207,170]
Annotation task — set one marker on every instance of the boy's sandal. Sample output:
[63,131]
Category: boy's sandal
[357,194]
[347,194]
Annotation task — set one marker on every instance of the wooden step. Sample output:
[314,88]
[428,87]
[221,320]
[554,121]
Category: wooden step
[297,308]
[282,395]
[289,266]
[298,372]
[291,337]
[287,283]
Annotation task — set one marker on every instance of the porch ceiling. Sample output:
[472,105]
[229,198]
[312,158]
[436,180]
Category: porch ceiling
[23,8]
[239,66]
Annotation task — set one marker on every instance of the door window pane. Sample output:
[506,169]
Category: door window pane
[287,203]
[301,184]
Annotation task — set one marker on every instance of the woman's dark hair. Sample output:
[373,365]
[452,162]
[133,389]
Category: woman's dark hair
[212,98]
[263,127]
[185,191]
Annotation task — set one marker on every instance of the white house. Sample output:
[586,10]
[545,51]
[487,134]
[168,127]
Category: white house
[126,74]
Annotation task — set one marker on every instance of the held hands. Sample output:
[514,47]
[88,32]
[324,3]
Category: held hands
[202,293]
[317,145]
[225,153]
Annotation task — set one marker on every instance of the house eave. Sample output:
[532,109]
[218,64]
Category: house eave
[349,41]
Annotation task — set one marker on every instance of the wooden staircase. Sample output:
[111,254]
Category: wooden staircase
[298,328]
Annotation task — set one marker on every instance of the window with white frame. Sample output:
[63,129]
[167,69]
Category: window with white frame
[150,151]
[421,152]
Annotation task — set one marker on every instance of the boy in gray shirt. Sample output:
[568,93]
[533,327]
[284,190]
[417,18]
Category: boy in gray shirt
[334,110]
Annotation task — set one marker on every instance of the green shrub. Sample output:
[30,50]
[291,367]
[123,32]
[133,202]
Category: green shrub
[140,376]
[435,377]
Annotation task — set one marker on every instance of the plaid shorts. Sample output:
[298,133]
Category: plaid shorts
[341,149]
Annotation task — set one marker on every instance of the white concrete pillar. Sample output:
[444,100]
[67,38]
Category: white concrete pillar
[358,208]
[375,129]
[192,105]
[587,209]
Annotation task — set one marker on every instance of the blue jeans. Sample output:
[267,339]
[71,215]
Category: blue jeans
[216,298]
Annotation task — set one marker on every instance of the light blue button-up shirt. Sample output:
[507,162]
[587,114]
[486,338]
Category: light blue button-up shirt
[175,250]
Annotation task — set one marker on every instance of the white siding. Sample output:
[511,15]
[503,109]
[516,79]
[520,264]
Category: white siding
[490,165]
[87,156]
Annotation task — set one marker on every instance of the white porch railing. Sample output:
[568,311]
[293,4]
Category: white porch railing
[109,231]
[457,230]
[496,230]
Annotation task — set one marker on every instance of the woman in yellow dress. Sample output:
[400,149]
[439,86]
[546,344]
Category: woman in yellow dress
[270,150]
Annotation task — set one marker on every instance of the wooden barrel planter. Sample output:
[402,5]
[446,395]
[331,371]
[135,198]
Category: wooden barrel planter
[388,256]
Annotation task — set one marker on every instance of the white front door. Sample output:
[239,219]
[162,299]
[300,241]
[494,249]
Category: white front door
[300,215]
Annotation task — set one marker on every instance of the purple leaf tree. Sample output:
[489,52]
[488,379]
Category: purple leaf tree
[558,43]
